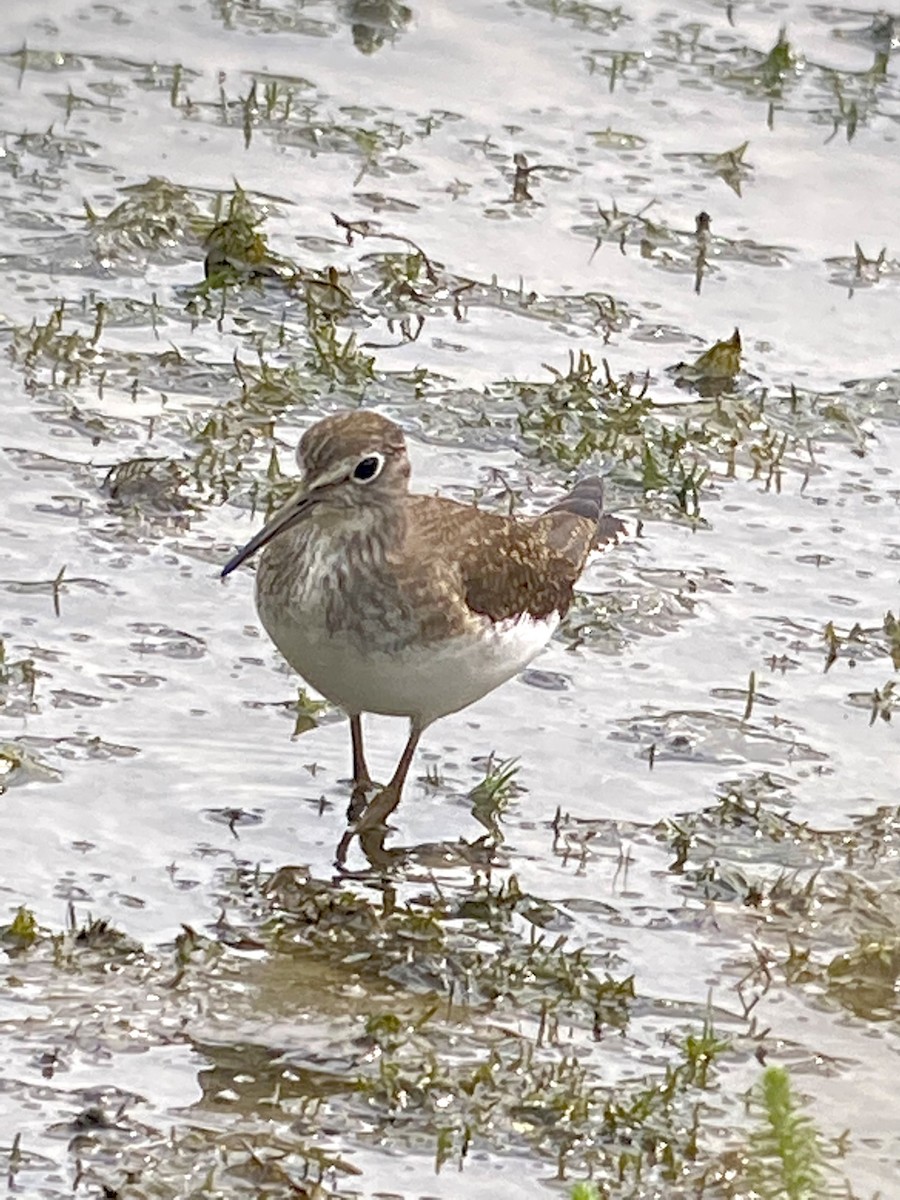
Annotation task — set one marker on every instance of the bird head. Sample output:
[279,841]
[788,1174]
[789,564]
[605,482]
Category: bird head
[351,465]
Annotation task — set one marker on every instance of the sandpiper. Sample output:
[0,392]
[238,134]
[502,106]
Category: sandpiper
[415,606]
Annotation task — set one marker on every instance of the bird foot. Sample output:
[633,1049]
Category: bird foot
[379,809]
[359,798]
[370,826]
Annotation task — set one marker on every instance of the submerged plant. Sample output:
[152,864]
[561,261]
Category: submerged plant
[237,249]
[21,932]
[585,1191]
[786,1161]
[492,794]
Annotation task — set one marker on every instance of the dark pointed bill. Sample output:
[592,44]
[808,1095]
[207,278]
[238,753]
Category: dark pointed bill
[284,519]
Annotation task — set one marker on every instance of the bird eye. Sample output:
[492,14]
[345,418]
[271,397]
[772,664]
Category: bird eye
[367,468]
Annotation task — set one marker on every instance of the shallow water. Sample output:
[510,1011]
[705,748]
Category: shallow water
[700,804]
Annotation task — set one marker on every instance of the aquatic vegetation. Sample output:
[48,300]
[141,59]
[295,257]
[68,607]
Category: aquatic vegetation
[19,765]
[533,993]
[785,1155]
[21,932]
[492,794]
[860,644]
[308,710]
[18,679]
[585,1191]
[156,216]
[236,248]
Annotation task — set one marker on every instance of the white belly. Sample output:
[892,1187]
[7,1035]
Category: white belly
[422,682]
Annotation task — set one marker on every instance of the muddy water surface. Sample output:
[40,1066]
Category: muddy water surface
[663,858]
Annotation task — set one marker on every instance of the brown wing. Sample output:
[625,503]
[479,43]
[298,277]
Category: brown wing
[460,560]
[532,566]
[529,567]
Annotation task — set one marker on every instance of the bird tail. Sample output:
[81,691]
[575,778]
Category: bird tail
[586,500]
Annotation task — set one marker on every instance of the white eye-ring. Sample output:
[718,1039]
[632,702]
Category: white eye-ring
[368,468]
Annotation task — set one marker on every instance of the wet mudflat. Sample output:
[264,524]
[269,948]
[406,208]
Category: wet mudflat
[644,932]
